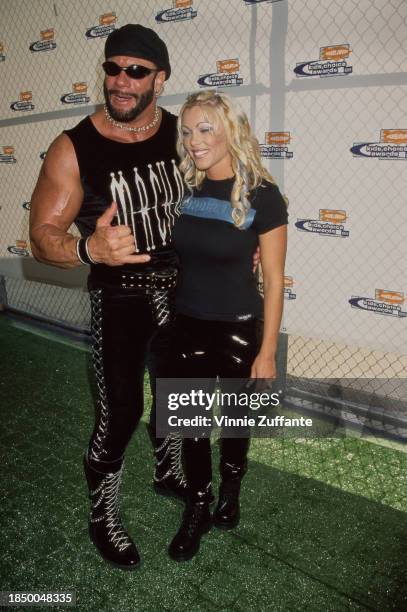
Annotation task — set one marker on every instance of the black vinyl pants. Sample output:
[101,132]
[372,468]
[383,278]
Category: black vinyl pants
[129,331]
[211,349]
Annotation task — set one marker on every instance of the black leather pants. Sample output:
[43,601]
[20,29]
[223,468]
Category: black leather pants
[210,349]
[129,330]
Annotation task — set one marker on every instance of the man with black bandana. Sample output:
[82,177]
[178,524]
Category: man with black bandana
[115,176]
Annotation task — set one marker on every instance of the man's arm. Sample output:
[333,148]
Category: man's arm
[56,203]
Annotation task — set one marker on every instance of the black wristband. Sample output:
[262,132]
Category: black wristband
[82,251]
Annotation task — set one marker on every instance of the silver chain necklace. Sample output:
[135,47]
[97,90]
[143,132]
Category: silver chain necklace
[128,128]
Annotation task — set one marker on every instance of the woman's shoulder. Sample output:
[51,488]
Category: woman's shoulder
[270,207]
[266,191]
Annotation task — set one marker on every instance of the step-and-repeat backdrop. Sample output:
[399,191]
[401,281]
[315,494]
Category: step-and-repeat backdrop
[324,85]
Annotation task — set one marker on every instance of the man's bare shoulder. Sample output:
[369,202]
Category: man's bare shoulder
[61,155]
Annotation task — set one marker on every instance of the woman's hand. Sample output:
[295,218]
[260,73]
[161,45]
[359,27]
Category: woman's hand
[264,366]
[256,259]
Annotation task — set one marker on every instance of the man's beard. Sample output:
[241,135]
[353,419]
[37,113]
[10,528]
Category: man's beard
[142,101]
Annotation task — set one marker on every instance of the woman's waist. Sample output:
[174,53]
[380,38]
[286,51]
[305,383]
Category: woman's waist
[232,303]
[209,312]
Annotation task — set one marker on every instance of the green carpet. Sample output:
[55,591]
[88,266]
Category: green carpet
[324,522]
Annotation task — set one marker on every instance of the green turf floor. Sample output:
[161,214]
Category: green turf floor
[324,522]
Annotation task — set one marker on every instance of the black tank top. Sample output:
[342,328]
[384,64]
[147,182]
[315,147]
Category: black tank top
[142,177]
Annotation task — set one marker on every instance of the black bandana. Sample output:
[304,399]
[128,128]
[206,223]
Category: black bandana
[134,40]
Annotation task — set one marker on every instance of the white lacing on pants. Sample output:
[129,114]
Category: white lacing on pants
[160,307]
[97,449]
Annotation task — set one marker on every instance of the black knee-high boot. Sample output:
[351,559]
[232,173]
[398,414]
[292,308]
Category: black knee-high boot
[105,526]
[233,466]
[196,518]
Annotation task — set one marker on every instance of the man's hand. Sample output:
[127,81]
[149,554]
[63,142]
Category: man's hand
[113,245]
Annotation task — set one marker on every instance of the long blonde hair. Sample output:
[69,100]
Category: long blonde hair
[243,147]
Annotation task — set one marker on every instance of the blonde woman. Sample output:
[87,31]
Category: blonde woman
[234,207]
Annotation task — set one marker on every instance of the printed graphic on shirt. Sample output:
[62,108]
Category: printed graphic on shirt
[149,203]
[212,208]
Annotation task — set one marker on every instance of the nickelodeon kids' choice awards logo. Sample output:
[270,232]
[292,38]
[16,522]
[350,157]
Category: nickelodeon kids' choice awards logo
[288,288]
[226,75]
[331,62]
[106,26]
[260,1]
[392,145]
[330,222]
[276,146]
[181,10]
[2,56]
[47,42]
[385,302]
[24,103]
[7,155]
[78,95]
[19,248]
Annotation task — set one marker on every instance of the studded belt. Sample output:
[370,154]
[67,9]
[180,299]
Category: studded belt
[133,282]
[157,281]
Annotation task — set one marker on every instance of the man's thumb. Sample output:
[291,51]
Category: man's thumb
[108,215]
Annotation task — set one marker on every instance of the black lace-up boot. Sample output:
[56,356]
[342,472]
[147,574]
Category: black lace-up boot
[196,521]
[105,527]
[227,512]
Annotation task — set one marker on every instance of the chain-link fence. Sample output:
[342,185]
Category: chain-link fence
[322,84]
[345,76]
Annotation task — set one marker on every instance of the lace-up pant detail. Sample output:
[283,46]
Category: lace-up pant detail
[160,307]
[128,332]
[97,450]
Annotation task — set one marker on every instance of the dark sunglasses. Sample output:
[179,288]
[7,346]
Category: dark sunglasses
[134,71]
